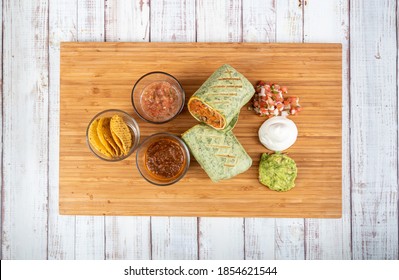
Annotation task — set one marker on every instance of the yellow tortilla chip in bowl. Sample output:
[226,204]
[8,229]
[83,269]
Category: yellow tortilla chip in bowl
[112,135]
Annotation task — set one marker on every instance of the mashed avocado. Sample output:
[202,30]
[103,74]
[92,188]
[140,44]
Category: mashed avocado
[277,171]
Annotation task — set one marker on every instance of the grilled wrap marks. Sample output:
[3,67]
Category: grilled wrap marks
[219,153]
[219,100]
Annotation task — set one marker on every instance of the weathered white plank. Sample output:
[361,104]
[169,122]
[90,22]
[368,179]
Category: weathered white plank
[62,27]
[173,21]
[289,233]
[221,238]
[89,238]
[25,134]
[259,25]
[1,129]
[90,232]
[220,21]
[173,237]
[127,21]
[91,20]
[260,238]
[289,239]
[374,122]
[289,21]
[127,237]
[259,21]
[331,238]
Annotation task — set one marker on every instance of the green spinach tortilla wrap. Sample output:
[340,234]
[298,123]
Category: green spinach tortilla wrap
[219,153]
[219,100]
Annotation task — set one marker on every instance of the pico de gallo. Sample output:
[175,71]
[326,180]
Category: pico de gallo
[269,101]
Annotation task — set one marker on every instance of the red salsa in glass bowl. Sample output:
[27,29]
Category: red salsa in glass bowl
[158,97]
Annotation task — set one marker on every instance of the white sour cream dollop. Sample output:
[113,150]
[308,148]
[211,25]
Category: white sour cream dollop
[278,133]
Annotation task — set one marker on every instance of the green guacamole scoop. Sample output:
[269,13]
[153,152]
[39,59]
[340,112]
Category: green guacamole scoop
[277,171]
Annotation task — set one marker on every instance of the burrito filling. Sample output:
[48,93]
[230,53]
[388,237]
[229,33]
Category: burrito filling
[205,114]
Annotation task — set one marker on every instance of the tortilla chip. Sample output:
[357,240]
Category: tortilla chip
[108,136]
[118,142]
[122,132]
[95,141]
[101,132]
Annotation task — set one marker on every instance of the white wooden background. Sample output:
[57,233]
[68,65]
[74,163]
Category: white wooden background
[31,34]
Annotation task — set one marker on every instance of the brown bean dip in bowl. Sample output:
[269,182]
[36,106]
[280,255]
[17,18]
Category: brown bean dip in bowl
[162,159]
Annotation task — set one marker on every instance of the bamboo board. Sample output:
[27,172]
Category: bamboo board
[100,76]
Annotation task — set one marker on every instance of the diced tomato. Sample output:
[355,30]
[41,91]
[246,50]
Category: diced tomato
[269,101]
[280,106]
[261,83]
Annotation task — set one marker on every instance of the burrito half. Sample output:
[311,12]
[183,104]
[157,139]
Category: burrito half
[219,100]
[219,154]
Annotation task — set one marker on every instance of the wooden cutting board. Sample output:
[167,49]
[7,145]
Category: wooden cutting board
[100,76]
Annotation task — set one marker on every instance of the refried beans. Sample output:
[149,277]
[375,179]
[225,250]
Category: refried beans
[164,158]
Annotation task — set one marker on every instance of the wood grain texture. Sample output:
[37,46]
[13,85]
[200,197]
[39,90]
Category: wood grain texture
[369,151]
[91,26]
[25,130]
[289,21]
[1,132]
[172,237]
[173,21]
[266,238]
[127,237]
[89,238]
[127,21]
[61,229]
[289,233]
[319,66]
[90,231]
[220,21]
[331,239]
[259,25]
[374,148]
[221,239]
[289,239]
[260,234]
[259,21]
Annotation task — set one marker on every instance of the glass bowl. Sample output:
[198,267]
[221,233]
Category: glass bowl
[158,97]
[162,159]
[131,124]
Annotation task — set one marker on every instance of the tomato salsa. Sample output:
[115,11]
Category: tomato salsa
[164,159]
[269,101]
[160,101]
